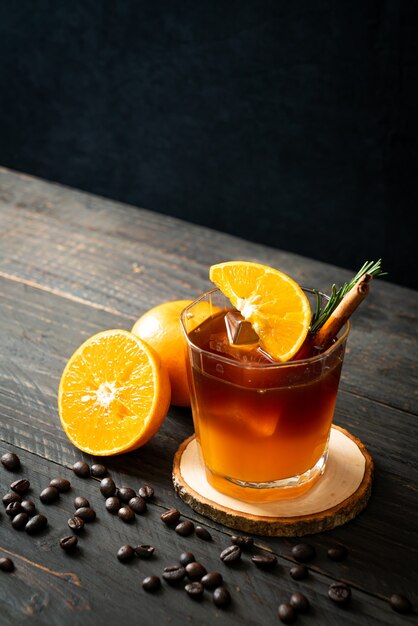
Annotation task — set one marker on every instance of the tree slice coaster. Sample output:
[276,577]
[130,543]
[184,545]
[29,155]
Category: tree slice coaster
[336,498]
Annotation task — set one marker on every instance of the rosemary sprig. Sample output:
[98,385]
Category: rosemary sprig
[321,314]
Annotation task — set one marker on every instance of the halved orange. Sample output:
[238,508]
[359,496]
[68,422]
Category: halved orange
[271,301]
[114,394]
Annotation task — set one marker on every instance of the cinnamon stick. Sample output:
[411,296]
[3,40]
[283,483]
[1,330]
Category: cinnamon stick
[340,315]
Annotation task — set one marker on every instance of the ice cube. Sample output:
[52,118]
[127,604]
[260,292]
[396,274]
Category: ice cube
[240,332]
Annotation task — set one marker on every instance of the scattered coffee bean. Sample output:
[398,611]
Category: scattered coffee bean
[337,553]
[49,495]
[126,514]
[69,543]
[212,580]
[10,497]
[195,571]
[203,533]
[340,593]
[174,573]
[243,541]
[303,552]
[299,572]
[10,461]
[400,603]
[299,602]
[62,484]
[170,517]
[20,486]
[28,507]
[125,553]
[264,561]
[81,469]
[13,509]
[81,502]
[231,554]
[287,613]
[86,513]
[144,551]
[36,524]
[6,564]
[98,470]
[20,520]
[138,505]
[221,597]
[112,504]
[126,493]
[151,583]
[107,487]
[185,528]
[146,492]
[76,523]
[195,590]
[186,558]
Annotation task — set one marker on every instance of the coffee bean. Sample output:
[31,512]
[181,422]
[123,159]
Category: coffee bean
[186,558]
[340,593]
[76,523]
[81,502]
[221,597]
[20,520]
[126,514]
[138,505]
[62,484]
[212,580]
[185,528]
[303,552]
[243,541]
[231,554]
[299,602]
[20,486]
[10,497]
[337,553]
[195,590]
[126,493]
[112,504]
[69,543]
[203,533]
[151,583]
[6,564]
[144,551]
[48,495]
[107,487]
[125,553]
[146,492]
[28,507]
[10,461]
[299,572]
[287,613]
[264,561]
[81,469]
[86,513]
[98,470]
[13,509]
[195,570]
[36,524]
[400,603]
[174,573]
[170,517]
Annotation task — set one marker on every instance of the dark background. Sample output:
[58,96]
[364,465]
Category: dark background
[289,123]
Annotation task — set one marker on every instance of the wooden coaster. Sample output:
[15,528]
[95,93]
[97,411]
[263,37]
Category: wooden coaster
[337,497]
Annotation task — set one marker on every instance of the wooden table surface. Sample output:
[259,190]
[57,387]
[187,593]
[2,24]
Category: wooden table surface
[73,264]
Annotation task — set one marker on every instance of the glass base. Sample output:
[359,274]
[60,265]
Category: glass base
[285,488]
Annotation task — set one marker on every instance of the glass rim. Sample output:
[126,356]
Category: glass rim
[290,363]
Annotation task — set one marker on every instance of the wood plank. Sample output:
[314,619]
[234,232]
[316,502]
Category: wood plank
[126,260]
[39,332]
[92,587]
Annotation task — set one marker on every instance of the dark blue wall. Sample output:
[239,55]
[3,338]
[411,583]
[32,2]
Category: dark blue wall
[291,123]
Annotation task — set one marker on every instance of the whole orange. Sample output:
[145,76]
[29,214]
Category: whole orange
[160,327]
